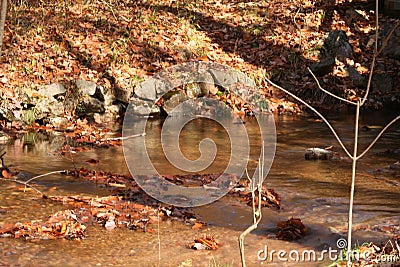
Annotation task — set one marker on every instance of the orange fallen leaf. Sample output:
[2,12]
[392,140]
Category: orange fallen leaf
[6,174]
[197,226]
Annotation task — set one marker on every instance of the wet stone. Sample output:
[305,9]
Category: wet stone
[318,153]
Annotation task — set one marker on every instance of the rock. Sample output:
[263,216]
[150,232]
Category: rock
[337,45]
[109,99]
[395,166]
[323,67]
[358,79]
[105,118]
[90,88]
[318,153]
[225,78]
[48,106]
[52,90]
[140,107]
[110,224]
[111,114]
[206,84]
[58,122]
[89,105]
[123,95]
[175,100]
[193,90]
[152,89]
[382,82]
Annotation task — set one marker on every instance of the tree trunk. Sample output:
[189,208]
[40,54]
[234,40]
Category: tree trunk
[2,21]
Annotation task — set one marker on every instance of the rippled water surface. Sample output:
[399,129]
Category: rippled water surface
[315,191]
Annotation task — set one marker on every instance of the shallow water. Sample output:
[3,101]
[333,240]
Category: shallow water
[315,191]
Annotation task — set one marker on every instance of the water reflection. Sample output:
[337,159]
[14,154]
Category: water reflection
[315,191]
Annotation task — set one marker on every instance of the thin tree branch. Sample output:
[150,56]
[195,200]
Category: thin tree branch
[45,174]
[23,183]
[371,71]
[257,213]
[329,93]
[316,112]
[122,137]
[378,136]
[353,184]
[384,44]
[369,81]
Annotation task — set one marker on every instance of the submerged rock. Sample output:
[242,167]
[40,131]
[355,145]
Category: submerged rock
[318,153]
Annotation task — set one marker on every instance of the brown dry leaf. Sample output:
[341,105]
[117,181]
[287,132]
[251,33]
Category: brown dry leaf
[197,226]
[290,230]
[206,242]
[6,174]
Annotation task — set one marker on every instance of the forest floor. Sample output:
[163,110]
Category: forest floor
[122,43]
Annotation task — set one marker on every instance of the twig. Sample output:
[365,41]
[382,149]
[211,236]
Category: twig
[123,137]
[353,183]
[329,93]
[42,175]
[376,53]
[371,71]
[257,214]
[316,112]
[388,38]
[378,136]
[24,183]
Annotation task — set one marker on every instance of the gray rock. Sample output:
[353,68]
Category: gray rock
[337,45]
[225,78]
[206,84]
[173,102]
[52,90]
[140,107]
[86,87]
[323,67]
[358,79]
[193,90]
[109,99]
[152,89]
[90,88]
[123,95]
[105,118]
[58,122]
[89,105]
[49,107]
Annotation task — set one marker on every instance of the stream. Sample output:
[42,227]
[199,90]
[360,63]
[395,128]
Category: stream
[316,191]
